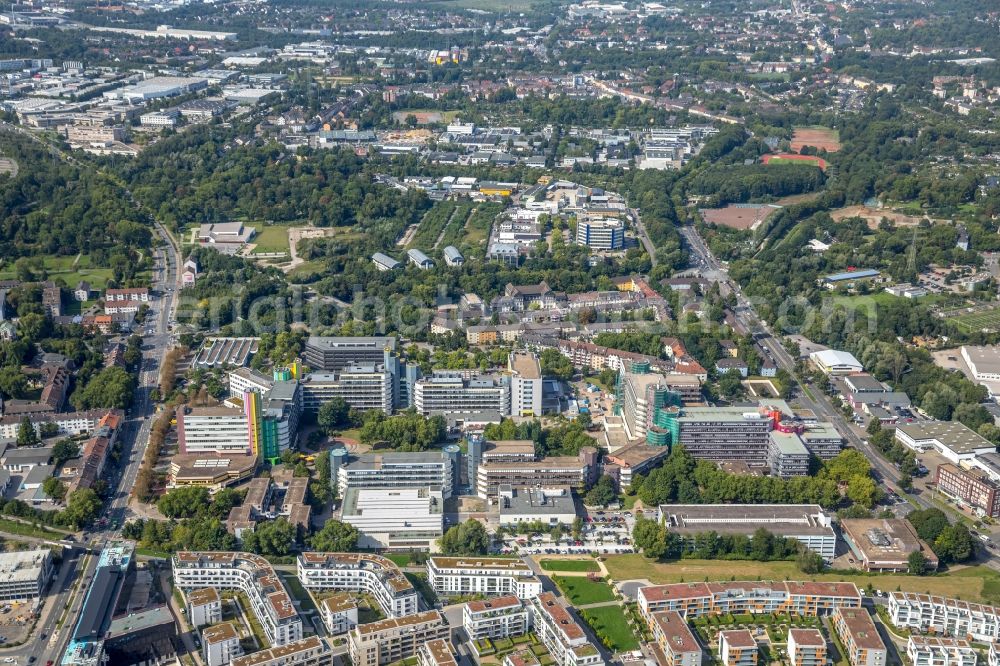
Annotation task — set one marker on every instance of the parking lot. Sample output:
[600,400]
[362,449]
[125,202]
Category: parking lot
[606,532]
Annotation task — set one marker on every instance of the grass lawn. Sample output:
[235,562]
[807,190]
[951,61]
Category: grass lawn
[609,625]
[570,565]
[63,267]
[298,591]
[419,582]
[582,591]
[978,584]
[272,238]
[24,529]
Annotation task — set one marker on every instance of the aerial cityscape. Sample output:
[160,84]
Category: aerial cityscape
[500,333]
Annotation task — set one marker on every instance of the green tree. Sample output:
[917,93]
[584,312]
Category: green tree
[335,537]
[54,488]
[468,538]
[273,537]
[26,434]
[82,507]
[333,414]
[184,502]
[916,563]
[110,388]
[809,561]
[651,537]
[64,449]
[954,544]
[603,492]
[13,382]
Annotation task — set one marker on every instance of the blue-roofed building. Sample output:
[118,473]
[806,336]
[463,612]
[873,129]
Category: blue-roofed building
[86,646]
[453,257]
[847,276]
[419,259]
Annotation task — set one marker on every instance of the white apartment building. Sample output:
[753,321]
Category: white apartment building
[499,617]
[395,518]
[394,639]
[740,597]
[397,469]
[437,652]
[220,644]
[312,651]
[359,572]
[339,613]
[938,651]
[252,575]
[204,606]
[675,641]
[24,574]
[446,394]
[488,576]
[362,387]
[561,634]
[944,616]
[993,656]
[213,430]
[525,384]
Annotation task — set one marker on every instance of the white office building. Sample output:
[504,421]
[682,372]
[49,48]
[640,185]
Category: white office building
[397,519]
[487,576]
[601,234]
[525,384]
[213,430]
[363,387]
[24,574]
[372,574]
[453,394]
[398,469]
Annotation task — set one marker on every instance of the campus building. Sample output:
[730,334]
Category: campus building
[213,430]
[24,574]
[954,440]
[573,471]
[398,469]
[454,394]
[359,572]
[328,354]
[394,639]
[362,387]
[694,600]
[525,384]
[859,636]
[395,518]
[806,523]
[498,617]
[115,565]
[560,633]
[885,544]
[601,234]
[974,487]
[463,576]
[250,574]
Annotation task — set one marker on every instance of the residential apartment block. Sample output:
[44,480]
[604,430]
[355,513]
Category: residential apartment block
[252,575]
[738,647]
[437,652]
[525,384]
[498,617]
[220,644]
[394,639]
[560,633]
[938,651]
[359,572]
[944,616]
[807,647]
[204,606]
[461,576]
[339,613]
[674,642]
[859,636]
[311,651]
[740,597]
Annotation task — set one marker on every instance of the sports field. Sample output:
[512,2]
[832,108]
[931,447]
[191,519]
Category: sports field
[976,583]
[791,158]
[817,137]
[738,216]
[984,320]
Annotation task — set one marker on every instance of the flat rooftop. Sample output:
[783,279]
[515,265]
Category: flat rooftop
[513,564]
[537,501]
[884,540]
[952,435]
[780,519]
[861,628]
[526,365]
[676,632]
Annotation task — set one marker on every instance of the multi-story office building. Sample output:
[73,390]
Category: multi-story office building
[394,639]
[944,616]
[360,572]
[885,544]
[395,518]
[499,617]
[787,455]
[525,384]
[437,652]
[252,575]
[859,636]
[487,576]
[204,606]
[220,644]
[454,394]
[640,395]
[822,440]
[363,387]
[973,486]
[242,380]
[674,641]
[24,574]
[806,523]
[740,597]
[339,613]
[87,642]
[560,633]
[601,234]
[274,418]
[738,647]
[398,469]
[573,471]
[329,354]
[938,651]
[213,430]
[807,647]
[311,651]
[723,433]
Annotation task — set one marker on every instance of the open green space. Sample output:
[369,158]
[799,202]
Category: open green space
[489,5]
[610,627]
[24,529]
[988,320]
[978,584]
[582,591]
[271,238]
[570,565]
[67,268]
